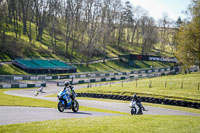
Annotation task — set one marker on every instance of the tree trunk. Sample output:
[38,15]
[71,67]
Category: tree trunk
[133,35]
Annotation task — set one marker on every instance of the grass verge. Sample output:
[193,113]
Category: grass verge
[119,124]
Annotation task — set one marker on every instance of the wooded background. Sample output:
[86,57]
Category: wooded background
[90,29]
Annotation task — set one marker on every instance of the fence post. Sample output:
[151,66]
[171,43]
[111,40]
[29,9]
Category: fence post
[165,84]
[122,84]
[150,84]
[110,84]
[182,85]
[136,83]
[198,85]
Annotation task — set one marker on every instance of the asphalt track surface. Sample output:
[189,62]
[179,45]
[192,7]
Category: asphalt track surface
[13,115]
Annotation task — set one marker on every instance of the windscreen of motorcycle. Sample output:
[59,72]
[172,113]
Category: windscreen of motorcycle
[132,103]
[60,93]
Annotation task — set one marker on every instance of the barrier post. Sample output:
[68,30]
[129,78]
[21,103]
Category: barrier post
[88,85]
[150,84]
[136,83]
[182,85]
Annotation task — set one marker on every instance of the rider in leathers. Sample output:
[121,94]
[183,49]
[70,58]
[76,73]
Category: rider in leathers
[138,102]
[71,88]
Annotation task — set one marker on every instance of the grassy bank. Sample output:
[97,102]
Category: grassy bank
[118,66]
[125,124]
[179,87]
[9,69]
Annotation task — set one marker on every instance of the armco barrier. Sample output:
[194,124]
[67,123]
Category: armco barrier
[22,85]
[104,79]
[6,78]
[143,99]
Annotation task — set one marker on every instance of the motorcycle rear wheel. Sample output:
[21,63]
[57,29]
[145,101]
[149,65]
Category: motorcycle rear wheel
[75,106]
[61,107]
[133,111]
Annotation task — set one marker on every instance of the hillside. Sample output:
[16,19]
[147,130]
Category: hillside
[80,34]
[21,47]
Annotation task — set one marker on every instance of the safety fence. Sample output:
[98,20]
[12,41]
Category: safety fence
[13,78]
[22,85]
[117,77]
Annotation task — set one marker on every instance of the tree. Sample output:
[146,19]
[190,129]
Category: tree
[42,18]
[148,33]
[179,22]
[137,17]
[128,18]
[188,39]
[164,25]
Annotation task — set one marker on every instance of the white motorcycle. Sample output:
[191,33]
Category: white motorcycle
[136,109]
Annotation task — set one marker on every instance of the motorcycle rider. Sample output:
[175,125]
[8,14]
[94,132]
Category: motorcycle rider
[70,88]
[138,102]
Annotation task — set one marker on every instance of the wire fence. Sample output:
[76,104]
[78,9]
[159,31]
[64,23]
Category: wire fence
[164,84]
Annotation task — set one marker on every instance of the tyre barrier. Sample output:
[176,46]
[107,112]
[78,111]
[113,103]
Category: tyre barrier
[143,99]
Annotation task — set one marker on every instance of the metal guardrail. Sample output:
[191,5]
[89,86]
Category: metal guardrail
[14,78]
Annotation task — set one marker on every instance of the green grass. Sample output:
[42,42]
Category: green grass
[173,90]
[10,69]
[8,100]
[117,124]
[117,66]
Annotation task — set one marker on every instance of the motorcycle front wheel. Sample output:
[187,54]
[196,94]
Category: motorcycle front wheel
[133,111]
[61,107]
[75,106]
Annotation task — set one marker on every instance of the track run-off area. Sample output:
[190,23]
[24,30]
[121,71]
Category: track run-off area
[13,114]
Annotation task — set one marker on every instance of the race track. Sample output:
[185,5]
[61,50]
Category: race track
[11,115]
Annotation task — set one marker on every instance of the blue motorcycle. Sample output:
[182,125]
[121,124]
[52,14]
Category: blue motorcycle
[66,102]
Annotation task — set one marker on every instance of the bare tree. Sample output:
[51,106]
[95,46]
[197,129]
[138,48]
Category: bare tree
[41,9]
[164,31]
[148,34]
